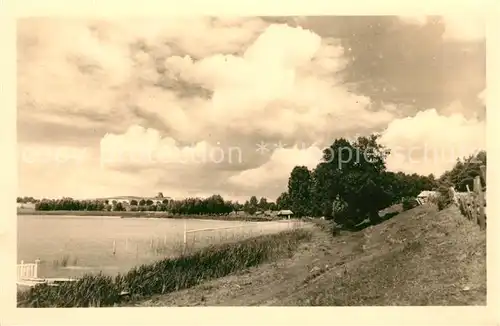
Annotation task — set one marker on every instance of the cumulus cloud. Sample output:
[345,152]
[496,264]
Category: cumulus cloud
[457,27]
[88,181]
[97,67]
[285,75]
[277,170]
[414,19]
[482,97]
[80,173]
[158,96]
[145,147]
[430,143]
[465,27]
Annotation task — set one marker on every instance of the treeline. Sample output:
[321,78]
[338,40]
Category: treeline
[26,200]
[350,183]
[253,205]
[464,171]
[213,205]
[70,204]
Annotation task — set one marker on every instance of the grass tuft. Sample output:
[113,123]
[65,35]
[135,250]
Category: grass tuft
[328,226]
[64,261]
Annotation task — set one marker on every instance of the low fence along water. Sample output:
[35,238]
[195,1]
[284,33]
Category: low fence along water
[204,236]
[27,271]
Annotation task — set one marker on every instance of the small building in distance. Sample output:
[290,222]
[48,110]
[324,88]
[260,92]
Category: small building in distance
[426,195]
[285,213]
[238,213]
[26,206]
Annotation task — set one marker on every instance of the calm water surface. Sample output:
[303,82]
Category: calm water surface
[75,245]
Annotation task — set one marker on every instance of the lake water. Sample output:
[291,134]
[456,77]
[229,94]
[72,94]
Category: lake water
[75,245]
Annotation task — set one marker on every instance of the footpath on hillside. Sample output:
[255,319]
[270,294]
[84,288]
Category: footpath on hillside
[419,257]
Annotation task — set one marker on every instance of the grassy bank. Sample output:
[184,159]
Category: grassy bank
[167,275]
[129,214]
[420,257]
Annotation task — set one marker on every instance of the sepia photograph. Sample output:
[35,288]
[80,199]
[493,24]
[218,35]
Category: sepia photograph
[251,161]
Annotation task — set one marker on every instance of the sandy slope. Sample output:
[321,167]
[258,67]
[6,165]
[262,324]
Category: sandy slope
[420,257]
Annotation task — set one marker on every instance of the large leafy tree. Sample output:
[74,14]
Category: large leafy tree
[299,190]
[357,169]
[251,206]
[263,204]
[283,201]
[351,183]
[324,189]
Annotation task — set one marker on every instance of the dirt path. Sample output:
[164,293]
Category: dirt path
[420,257]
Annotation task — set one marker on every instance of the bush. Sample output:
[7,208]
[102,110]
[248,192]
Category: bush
[409,203]
[89,291]
[444,198]
[343,215]
[329,226]
[167,275]
[463,209]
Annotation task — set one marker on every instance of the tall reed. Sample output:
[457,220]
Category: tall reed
[166,275]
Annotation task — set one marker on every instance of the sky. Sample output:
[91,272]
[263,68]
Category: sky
[195,106]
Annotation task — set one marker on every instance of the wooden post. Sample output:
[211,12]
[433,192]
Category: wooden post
[184,242]
[35,272]
[469,202]
[463,206]
[453,195]
[480,203]
[475,205]
[114,247]
[483,173]
[472,208]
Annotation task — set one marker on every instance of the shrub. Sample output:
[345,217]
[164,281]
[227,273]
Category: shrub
[342,214]
[444,198]
[409,203]
[89,291]
[463,208]
[63,262]
[328,226]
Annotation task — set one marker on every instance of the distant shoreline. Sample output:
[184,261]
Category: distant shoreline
[129,214]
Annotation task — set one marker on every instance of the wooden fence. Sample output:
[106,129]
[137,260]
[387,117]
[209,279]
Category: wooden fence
[291,224]
[472,204]
[27,271]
